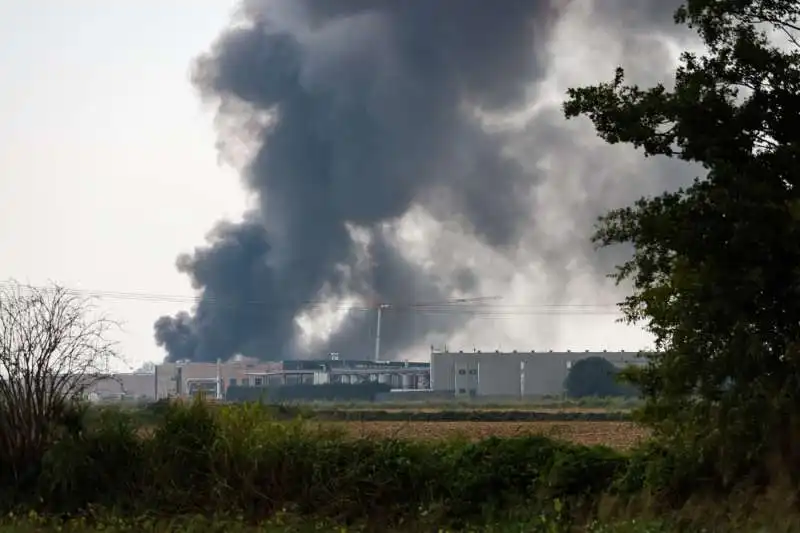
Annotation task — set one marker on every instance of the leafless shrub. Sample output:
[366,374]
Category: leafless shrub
[52,350]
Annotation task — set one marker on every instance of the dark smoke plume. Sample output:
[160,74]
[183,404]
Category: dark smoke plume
[371,107]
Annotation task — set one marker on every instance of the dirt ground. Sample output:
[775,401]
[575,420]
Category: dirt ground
[615,434]
[502,409]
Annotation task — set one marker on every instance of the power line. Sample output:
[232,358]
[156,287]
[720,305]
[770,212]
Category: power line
[457,306]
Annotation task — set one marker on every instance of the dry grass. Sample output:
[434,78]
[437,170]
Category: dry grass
[620,435]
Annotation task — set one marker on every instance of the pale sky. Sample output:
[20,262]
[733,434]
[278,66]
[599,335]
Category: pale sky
[108,163]
[108,160]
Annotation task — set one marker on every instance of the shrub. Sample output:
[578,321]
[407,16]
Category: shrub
[247,461]
[595,377]
[94,466]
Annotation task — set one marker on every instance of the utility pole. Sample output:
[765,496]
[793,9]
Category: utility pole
[218,389]
[380,309]
[439,306]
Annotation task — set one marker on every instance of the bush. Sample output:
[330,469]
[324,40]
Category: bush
[94,467]
[596,377]
[246,461]
[240,460]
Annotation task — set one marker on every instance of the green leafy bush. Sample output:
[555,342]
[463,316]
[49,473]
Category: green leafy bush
[243,460]
[596,377]
[246,462]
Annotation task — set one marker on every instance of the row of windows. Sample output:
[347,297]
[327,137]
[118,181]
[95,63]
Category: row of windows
[246,382]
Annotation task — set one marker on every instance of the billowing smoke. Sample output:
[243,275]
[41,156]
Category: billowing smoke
[358,111]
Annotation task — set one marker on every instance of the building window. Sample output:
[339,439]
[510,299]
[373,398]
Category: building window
[232,382]
[462,391]
[461,371]
[259,382]
[245,382]
[473,371]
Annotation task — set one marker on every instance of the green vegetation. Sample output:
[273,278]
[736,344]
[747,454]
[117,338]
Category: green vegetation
[238,463]
[714,270]
[292,524]
[478,403]
[238,460]
[364,392]
[714,275]
[596,377]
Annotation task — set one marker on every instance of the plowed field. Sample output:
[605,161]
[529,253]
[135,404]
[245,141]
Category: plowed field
[615,434]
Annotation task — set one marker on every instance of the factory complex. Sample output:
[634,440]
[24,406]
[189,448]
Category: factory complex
[447,374]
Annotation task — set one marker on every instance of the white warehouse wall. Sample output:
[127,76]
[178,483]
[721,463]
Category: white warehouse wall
[512,374]
[499,374]
[132,385]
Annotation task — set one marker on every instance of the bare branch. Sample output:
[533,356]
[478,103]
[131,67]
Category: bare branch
[53,347]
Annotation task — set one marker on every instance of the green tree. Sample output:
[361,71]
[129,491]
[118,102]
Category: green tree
[595,376]
[714,271]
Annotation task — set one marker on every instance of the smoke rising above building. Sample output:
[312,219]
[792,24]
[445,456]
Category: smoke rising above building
[358,111]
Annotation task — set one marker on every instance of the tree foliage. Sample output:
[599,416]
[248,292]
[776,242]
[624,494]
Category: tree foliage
[715,265]
[595,376]
[51,351]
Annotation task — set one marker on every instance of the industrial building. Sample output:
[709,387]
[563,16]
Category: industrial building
[517,374]
[190,378]
[486,374]
[133,386]
[177,379]
[396,374]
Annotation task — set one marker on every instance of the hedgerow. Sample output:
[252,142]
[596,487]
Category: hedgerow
[240,460]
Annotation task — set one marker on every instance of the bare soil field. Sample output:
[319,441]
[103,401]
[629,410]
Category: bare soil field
[502,409]
[619,435]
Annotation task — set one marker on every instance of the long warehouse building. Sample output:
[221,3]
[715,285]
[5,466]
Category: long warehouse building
[511,373]
[487,374]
